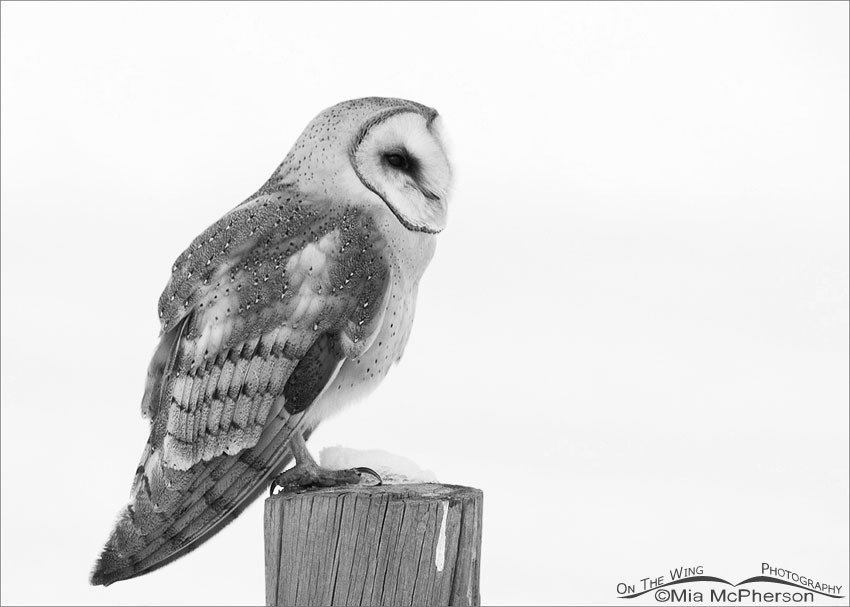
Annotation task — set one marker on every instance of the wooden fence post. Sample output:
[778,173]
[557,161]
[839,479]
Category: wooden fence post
[389,545]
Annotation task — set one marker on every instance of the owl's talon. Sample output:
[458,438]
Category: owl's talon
[304,476]
[364,470]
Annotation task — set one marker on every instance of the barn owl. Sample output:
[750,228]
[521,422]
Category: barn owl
[294,303]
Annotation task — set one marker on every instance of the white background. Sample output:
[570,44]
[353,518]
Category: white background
[633,336]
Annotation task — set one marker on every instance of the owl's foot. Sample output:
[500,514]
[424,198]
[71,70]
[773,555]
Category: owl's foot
[303,476]
[306,473]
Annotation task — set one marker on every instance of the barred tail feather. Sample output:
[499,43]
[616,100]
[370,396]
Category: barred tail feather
[173,512]
[117,562]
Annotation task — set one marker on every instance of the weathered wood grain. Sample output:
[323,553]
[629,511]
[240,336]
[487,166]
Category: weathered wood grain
[391,545]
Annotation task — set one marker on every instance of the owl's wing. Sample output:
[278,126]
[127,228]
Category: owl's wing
[261,310]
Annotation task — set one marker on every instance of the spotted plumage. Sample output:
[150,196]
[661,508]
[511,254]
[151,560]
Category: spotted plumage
[291,305]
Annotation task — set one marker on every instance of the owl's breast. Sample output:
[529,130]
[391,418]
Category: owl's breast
[357,377]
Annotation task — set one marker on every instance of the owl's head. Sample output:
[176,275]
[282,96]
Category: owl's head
[375,151]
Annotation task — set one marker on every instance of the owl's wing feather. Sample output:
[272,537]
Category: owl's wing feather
[253,332]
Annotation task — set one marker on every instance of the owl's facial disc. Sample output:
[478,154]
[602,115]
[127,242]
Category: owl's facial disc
[400,157]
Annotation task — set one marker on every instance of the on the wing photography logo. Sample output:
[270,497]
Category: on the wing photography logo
[692,585]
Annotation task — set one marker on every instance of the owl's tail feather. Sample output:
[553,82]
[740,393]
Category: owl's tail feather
[173,512]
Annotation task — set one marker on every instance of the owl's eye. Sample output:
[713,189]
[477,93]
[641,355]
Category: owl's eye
[398,161]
